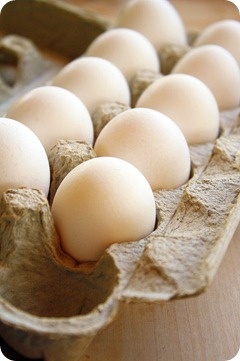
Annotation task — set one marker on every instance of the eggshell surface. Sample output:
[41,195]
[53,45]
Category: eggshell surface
[188,102]
[23,160]
[158,20]
[95,81]
[128,49]
[53,113]
[225,33]
[102,201]
[218,69]
[150,141]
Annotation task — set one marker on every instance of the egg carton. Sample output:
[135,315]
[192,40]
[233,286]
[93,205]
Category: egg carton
[52,307]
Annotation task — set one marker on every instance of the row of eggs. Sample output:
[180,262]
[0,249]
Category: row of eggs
[110,198]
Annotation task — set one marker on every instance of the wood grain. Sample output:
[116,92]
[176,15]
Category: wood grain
[204,328]
[201,328]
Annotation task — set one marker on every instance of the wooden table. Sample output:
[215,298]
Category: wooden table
[204,328]
[195,13]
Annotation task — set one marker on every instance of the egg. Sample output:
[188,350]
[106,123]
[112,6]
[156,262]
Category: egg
[188,102]
[158,20]
[23,160]
[225,33]
[53,113]
[128,49]
[218,69]
[150,141]
[100,202]
[94,80]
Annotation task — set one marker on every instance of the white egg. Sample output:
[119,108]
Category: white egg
[158,20]
[128,49]
[53,113]
[188,102]
[23,160]
[100,202]
[150,141]
[95,81]
[225,33]
[217,68]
